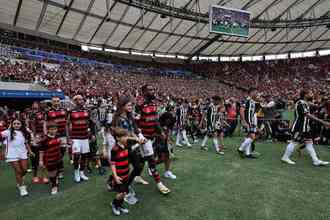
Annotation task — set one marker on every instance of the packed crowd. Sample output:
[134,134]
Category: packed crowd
[105,81]
[279,78]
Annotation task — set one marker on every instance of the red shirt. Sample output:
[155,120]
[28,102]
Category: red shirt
[51,146]
[59,116]
[119,158]
[232,113]
[149,121]
[79,124]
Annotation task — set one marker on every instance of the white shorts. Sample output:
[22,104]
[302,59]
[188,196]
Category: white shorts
[17,157]
[109,152]
[147,149]
[80,146]
[109,141]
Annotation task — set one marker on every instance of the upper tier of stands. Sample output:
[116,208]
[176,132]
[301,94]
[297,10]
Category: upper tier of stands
[280,78]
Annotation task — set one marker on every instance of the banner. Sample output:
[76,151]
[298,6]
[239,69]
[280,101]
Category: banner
[19,94]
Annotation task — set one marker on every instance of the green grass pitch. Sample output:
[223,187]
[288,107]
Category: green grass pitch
[208,186]
[231,30]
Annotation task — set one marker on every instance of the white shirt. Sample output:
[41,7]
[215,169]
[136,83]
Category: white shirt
[15,147]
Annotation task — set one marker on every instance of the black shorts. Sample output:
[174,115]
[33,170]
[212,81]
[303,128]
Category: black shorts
[161,147]
[301,137]
[119,188]
[93,147]
[55,166]
[35,158]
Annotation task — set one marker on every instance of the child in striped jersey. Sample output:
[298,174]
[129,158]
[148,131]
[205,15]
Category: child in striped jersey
[120,168]
[108,143]
[50,155]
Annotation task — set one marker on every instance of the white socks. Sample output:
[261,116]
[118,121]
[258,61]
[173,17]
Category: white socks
[185,138]
[205,140]
[246,146]
[310,149]
[182,134]
[178,138]
[241,148]
[216,144]
[289,150]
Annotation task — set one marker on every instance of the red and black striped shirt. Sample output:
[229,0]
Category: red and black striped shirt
[79,120]
[51,146]
[119,158]
[59,116]
[149,121]
[195,114]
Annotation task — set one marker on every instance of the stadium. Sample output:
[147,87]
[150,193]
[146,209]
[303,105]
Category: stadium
[164,109]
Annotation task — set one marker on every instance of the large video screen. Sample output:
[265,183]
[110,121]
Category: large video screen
[228,21]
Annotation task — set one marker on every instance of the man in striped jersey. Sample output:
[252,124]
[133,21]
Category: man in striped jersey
[150,128]
[80,131]
[301,130]
[211,121]
[194,120]
[59,116]
[181,122]
[249,121]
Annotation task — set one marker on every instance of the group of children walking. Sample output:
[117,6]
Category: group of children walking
[127,141]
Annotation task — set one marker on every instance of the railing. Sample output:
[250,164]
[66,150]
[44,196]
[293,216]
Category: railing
[21,85]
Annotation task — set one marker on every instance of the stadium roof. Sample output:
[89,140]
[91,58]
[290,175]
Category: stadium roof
[138,26]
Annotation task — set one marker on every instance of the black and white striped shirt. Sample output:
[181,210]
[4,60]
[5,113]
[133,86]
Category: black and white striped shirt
[211,116]
[250,112]
[301,122]
[181,116]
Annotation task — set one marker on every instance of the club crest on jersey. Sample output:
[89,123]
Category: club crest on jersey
[59,120]
[54,142]
[123,153]
[80,122]
[79,114]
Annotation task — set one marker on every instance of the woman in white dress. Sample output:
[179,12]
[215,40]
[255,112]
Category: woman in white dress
[16,139]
